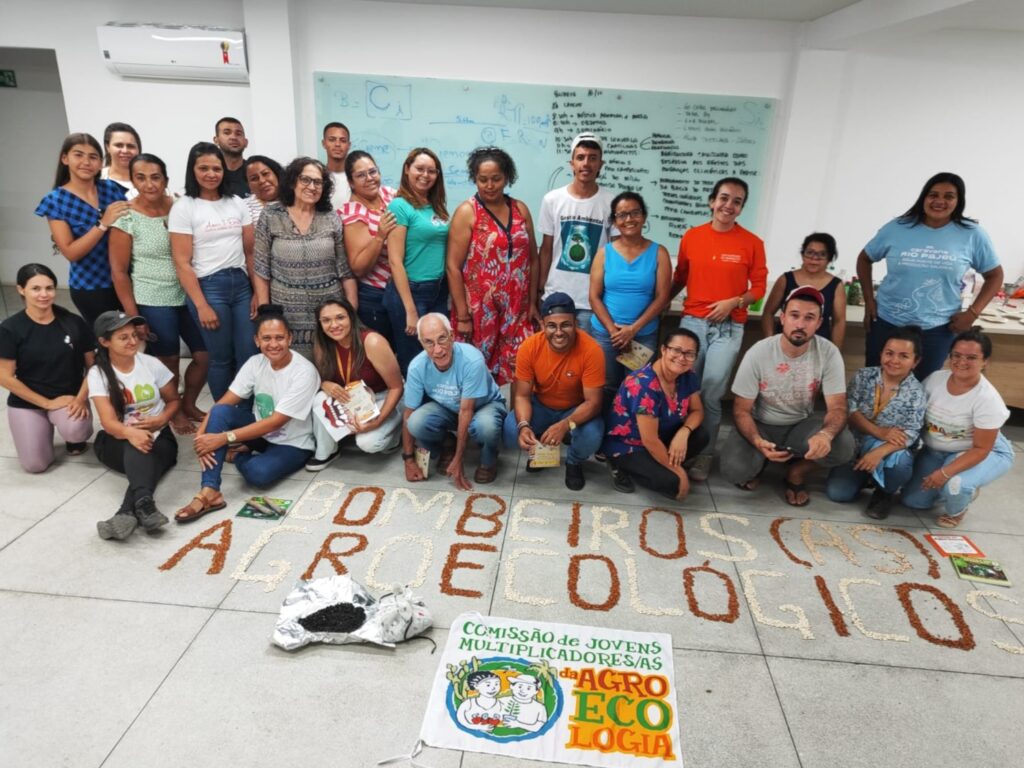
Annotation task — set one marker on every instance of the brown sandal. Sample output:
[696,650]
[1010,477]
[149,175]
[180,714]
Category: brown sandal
[484,475]
[189,512]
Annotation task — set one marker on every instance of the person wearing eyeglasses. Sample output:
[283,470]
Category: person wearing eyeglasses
[300,251]
[723,269]
[656,421]
[367,224]
[927,251]
[557,390]
[448,388]
[776,386]
[964,448]
[417,250]
[630,281]
[817,253]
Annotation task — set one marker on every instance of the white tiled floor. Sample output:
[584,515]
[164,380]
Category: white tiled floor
[110,661]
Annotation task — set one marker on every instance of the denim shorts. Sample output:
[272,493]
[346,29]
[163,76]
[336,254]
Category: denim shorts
[170,323]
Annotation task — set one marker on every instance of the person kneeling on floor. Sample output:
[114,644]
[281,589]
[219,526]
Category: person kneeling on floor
[135,396]
[557,391]
[275,438]
[448,387]
[776,385]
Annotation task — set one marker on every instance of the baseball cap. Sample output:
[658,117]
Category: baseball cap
[807,293]
[558,303]
[586,136]
[112,319]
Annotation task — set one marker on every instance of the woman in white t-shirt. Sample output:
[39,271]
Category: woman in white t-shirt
[273,439]
[212,244]
[963,447]
[135,396]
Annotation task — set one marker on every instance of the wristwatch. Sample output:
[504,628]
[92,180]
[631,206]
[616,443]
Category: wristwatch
[231,437]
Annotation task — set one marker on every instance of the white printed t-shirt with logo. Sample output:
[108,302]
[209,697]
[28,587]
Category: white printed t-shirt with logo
[784,388]
[950,420]
[289,390]
[216,230]
[579,228]
[140,387]
[342,191]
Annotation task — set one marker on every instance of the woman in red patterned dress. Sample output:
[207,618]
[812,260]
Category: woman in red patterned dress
[492,264]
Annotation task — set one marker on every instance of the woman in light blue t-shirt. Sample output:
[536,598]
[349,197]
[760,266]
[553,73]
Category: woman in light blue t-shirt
[927,252]
[416,251]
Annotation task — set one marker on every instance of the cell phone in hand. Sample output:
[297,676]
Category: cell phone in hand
[796,452]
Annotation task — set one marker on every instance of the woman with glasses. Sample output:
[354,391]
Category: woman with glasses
[630,281]
[367,226]
[211,242]
[492,264]
[300,252]
[655,421]
[927,252]
[818,253]
[416,251]
[963,447]
[723,269]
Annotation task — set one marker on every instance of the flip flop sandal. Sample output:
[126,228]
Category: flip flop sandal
[750,485]
[796,489]
[188,513]
[948,521]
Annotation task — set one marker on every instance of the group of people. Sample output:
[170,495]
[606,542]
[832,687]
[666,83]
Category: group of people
[291,286]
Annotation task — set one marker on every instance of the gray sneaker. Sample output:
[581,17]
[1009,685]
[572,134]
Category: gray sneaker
[148,515]
[119,527]
[701,468]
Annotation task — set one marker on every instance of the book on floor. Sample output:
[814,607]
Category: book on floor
[980,569]
[264,508]
[949,544]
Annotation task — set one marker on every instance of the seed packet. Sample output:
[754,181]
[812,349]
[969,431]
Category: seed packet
[544,456]
[264,508]
[423,461]
[980,569]
[636,356]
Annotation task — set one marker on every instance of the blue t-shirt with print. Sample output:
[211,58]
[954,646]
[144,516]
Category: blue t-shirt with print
[924,268]
[466,378]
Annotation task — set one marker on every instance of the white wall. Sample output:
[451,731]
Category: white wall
[858,131]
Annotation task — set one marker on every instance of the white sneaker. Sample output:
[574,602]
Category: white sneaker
[701,468]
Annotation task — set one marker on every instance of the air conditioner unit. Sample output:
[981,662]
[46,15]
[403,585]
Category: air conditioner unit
[174,52]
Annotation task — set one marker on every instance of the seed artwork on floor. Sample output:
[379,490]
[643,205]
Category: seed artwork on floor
[689,572]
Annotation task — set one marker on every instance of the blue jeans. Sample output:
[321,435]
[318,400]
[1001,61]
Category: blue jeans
[844,482]
[719,347]
[169,324]
[583,317]
[229,294]
[372,312]
[431,423]
[614,371]
[992,467]
[264,465]
[935,345]
[584,441]
[428,296]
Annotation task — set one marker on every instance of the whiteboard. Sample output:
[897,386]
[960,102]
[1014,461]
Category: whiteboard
[669,147]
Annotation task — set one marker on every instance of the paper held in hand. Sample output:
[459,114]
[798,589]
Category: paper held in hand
[544,456]
[636,356]
[340,418]
[423,462]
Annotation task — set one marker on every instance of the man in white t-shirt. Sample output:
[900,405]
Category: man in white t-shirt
[575,223]
[337,142]
[776,386]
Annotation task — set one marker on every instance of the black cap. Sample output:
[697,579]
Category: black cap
[111,320]
[558,303]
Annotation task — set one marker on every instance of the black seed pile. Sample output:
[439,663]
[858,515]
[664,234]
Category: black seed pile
[343,617]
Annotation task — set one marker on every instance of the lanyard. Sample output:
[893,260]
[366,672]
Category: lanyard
[347,374]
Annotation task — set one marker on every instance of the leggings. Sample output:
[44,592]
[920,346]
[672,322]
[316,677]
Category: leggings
[32,430]
[144,470]
[643,468]
[91,304]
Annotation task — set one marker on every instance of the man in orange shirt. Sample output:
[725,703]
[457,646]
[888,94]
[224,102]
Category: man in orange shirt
[723,268]
[558,389]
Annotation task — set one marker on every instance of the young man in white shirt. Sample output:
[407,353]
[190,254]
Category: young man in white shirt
[337,142]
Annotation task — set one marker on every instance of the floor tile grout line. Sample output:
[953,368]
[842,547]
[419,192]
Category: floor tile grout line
[130,601]
[1009,626]
[174,666]
[891,667]
[55,509]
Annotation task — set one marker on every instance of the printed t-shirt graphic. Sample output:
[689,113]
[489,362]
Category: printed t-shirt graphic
[580,239]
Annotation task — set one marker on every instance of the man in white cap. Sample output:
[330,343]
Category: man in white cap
[575,221]
[524,711]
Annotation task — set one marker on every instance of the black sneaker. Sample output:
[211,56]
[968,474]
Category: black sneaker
[621,480]
[879,505]
[574,479]
[532,469]
[119,527]
[148,515]
[315,465]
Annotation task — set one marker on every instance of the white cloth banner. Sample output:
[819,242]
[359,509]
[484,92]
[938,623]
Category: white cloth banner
[557,692]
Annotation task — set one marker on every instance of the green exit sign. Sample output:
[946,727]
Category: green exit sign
[7,79]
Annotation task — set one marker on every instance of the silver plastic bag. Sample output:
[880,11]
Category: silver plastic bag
[393,618]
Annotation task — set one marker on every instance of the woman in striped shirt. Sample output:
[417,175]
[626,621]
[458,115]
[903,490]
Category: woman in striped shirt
[367,225]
